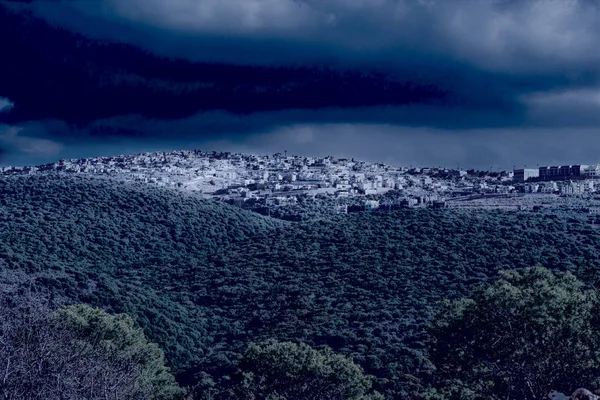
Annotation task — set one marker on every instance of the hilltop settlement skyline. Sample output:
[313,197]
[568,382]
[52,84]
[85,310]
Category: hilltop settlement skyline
[287,186]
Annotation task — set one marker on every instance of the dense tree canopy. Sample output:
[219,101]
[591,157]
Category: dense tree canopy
[286,371]
[118,340]
[126,248]
[204,279]
[77,352]
[367,285]
[528,333]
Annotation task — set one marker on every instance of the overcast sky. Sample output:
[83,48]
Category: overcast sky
[475,83]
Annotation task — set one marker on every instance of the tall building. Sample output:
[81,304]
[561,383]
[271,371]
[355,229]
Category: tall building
[522,175]
[578,170]
[562,172]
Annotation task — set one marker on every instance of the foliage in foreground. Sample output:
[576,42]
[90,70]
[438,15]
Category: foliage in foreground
[526,334]
[77,352]
[276,370]
[286,370]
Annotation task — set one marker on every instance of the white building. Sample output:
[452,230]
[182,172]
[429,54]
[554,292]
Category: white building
[532,188]
[567,189]
[522,175]
[592,171]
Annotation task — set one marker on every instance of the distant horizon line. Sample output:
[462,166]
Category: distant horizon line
[493,168]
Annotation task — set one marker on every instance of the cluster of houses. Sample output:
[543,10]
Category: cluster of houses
[565,188]
[246,175]
[558,173]
[565,180]
[280,180]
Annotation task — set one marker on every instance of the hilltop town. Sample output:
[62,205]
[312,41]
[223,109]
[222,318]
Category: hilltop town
[285,185]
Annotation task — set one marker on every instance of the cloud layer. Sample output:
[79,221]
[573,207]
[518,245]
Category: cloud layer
[5,105]
[14,141]
[482,148]
[409,81]
[509,35]
[479,148]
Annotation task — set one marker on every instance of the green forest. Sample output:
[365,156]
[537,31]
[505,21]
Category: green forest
[207,281]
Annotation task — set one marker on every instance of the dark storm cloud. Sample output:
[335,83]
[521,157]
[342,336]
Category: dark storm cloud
[497,35]
[473,55]
[68,77]
[53,73]
[13,140]
[453,72]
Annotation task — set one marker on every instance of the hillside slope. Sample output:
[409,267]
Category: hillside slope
[367,284]
[203,279]
[122,247]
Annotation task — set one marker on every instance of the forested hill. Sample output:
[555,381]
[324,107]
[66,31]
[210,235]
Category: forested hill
[125,248]
[366,284]
[203,279]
